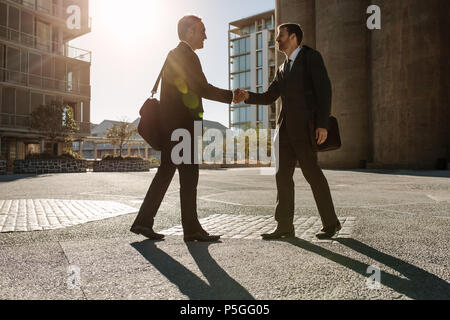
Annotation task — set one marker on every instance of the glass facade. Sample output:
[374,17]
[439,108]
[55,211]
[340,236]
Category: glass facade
[248,69]
[240,63]
[241,46]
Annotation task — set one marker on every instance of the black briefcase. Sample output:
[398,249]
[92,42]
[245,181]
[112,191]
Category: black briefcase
[149,127]
[333,141]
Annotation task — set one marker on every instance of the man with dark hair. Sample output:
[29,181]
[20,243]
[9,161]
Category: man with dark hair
[306,95]
[183,87]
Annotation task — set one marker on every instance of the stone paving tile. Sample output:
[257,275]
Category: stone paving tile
[251,227]
[49,214]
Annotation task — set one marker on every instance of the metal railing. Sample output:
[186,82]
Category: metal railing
[15,121]
[45,44]
[50,9]
[46,83]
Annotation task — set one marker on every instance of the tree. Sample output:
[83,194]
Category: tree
[55,121]
[120,133]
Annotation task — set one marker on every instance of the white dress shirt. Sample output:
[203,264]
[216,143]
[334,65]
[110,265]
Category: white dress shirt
[293,56]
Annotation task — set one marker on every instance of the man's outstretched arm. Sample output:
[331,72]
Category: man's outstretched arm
[266,98]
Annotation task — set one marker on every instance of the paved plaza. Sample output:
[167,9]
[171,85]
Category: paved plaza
[66,236]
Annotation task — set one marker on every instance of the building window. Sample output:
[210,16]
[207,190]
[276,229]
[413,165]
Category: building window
[241,80]
[259,41]
[3,20]
[43,36]
[243,114]
[241,46]
[13,64]
[27,28]
[259,58]
[259,78]
[22,102]
[45,6]
[261,110]
[29,3]
[35,61]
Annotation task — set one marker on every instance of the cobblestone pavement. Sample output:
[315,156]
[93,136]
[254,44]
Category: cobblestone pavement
[49,214]
[251,227]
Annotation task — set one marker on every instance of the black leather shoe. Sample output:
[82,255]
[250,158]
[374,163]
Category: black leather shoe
[147,232]
[201,237]
[328,233]
[280,233]
[339,226]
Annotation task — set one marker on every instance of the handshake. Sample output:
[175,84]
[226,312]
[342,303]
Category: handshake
[240,95]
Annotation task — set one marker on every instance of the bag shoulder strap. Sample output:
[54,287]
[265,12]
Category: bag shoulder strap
[155,87]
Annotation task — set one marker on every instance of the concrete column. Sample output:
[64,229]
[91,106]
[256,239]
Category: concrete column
[410,83]
[60,8]
[295,11]
[42,146]
[146,151]
[95,151]
[81,148]
[341,37]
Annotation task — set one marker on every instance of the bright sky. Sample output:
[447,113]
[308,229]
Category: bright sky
[130,40]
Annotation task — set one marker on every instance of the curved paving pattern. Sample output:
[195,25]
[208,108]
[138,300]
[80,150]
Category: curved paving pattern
[251,227]
[49,214]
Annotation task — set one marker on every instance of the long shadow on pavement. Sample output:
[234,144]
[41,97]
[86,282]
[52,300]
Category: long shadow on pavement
[221,285]
[14,177]
[420,284]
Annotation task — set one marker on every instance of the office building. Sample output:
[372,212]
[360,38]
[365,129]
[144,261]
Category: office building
[252,67]
[38,66]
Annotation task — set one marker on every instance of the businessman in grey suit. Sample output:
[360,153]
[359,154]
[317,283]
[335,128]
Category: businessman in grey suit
[305,95]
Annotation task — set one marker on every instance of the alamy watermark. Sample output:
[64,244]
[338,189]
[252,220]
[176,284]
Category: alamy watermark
[373,282]
[73,278]
[227,147]
[374,20]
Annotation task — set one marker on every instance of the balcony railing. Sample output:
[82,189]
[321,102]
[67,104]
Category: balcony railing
[45,44]
[15,121]
[50,8]
[41,82]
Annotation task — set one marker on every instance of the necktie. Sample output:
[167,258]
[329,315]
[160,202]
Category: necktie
[288,68]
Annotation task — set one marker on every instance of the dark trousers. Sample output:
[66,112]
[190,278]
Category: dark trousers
[188,193]
[290,152]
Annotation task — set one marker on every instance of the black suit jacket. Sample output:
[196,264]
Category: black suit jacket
[182,89]
[300,101]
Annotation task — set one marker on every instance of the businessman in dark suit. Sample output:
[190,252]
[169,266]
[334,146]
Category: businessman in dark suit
[183,87]
[304,97]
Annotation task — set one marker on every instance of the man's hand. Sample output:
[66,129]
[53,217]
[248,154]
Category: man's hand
[240,95]
[321,135]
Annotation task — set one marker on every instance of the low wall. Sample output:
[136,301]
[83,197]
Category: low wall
[121,166]
[3,167]
[49,166]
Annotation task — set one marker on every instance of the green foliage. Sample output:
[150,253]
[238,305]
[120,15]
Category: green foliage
[119,158]
[55,121]
[121,133]
[154,161]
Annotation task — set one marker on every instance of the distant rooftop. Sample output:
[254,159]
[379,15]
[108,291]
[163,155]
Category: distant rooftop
[248,20]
